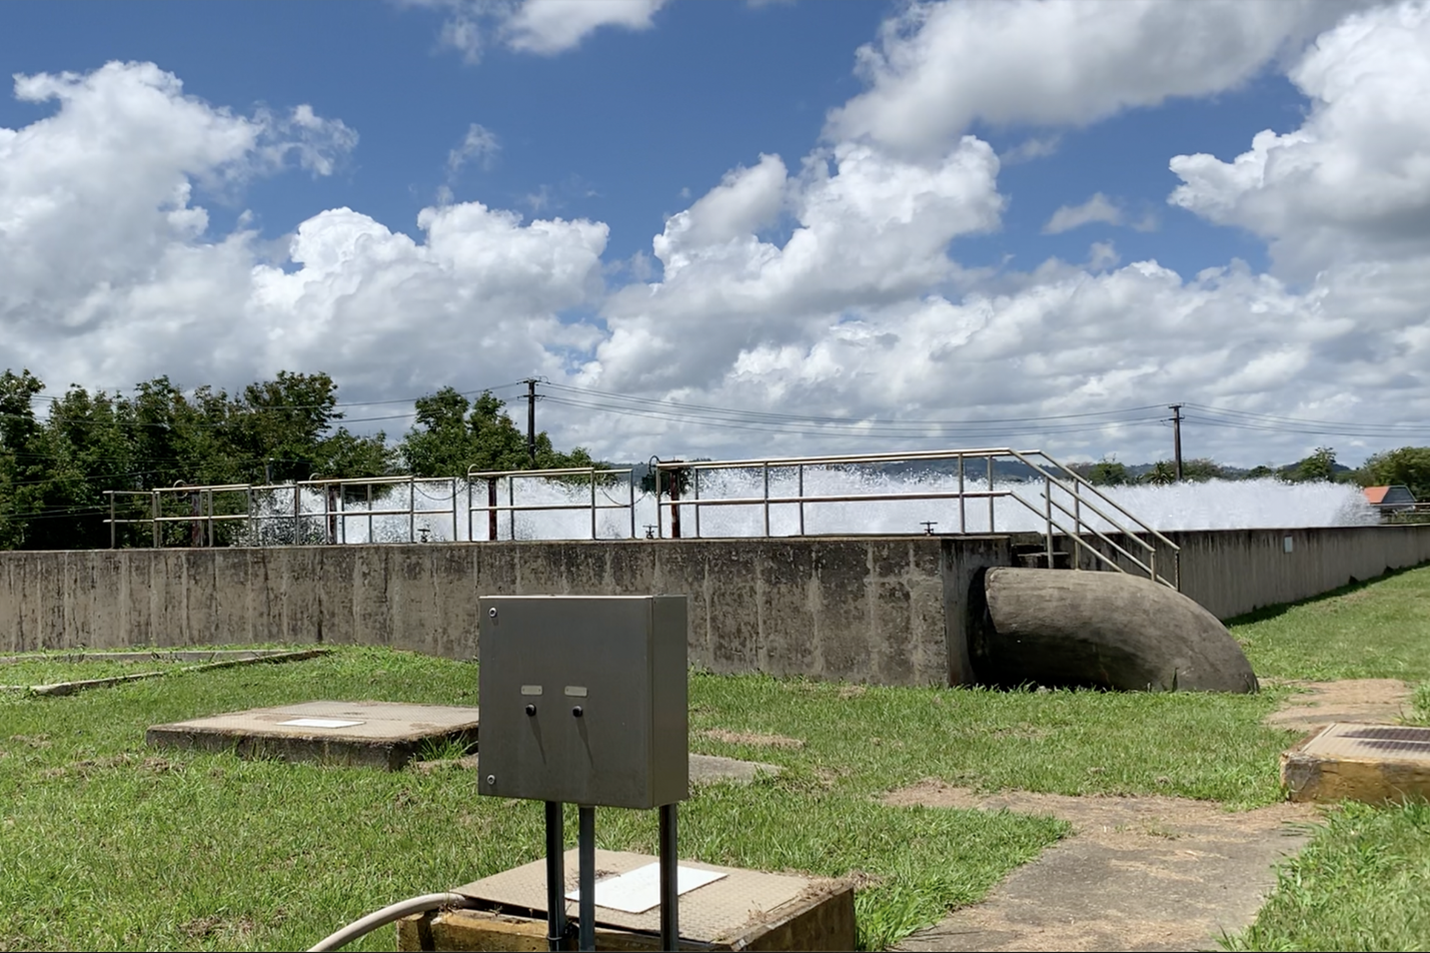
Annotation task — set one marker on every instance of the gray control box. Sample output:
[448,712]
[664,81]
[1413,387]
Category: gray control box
[583,699]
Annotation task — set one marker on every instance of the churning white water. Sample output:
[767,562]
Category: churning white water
[444,510]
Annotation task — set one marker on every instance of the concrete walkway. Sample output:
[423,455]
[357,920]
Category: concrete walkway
[1145,873]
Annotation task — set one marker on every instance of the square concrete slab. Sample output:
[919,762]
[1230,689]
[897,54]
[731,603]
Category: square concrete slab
[739,910]
[1371,763]
[378,734]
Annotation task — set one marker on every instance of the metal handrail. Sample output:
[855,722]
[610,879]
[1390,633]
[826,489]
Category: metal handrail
[1054,474]
[492,508]
[1043,468]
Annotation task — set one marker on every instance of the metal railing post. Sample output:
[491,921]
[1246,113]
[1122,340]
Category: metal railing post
[695,488]
[154,510]
[113,526]
[412,510]
[593,504]
[675,503]
[1048,517]
[962,500]
[990,490]
[801,499]
[767,498]
[491,508]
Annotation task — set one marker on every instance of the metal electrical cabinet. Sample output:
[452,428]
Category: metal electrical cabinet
[583,699]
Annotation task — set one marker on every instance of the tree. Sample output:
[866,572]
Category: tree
[1106,472]
[452,435]
[1407,466]
[1320,466]
[1163,473]
[1202,469]
[24,462]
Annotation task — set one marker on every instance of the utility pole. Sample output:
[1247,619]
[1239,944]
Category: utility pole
[1177,437]
[531,419]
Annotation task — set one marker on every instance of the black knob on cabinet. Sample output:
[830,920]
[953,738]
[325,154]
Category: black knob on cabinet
[577,711]
[531,709]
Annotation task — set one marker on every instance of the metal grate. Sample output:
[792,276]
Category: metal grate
[1372,742]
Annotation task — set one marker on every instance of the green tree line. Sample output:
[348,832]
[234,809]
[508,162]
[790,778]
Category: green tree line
[1408,466]
[55,467]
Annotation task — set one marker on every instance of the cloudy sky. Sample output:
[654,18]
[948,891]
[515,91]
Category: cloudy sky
[741,229]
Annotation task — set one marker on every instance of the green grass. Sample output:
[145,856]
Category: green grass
[1379,629]
[108,845]
[1360,885]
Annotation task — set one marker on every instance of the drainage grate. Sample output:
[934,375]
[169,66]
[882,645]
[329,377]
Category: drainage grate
[1395,742]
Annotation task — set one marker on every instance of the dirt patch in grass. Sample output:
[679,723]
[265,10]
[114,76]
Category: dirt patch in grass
[1377,701]
[755,738]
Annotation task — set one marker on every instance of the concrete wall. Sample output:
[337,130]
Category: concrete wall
[864,609]
[1232,571]
[889,610]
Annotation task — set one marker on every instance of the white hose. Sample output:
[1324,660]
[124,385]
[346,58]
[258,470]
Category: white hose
[404,908]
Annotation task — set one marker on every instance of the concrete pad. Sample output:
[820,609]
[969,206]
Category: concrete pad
[740,910]
[1374,764]
[1138,873]
[709,768]
[380,734]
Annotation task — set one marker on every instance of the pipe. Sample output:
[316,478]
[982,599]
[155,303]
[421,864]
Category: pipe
[388,914]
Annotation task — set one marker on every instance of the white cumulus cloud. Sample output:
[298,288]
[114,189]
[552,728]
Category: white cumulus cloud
[1353,182]
[1099,208]
[535,26]
[109,273]
[938,67]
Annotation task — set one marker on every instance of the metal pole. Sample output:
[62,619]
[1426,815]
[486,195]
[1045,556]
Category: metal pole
[674,480]
[695,480]
[511,504]
[801,499]
[297,516]
[593,504]
[1177,437]
[990,490]
[454,509]
[491,507]
[369,513]
[470,538]
[631,489]
[555,877]
[412,509]
[669,881]
[113,536]
[586,875]
[767,498]
[154,511]
[1048,517]
[531,420]
[962,503]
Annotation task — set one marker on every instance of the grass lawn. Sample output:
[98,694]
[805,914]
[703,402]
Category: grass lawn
[108,845]
[1362,882]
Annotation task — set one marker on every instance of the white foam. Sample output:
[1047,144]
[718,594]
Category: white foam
[1217,504]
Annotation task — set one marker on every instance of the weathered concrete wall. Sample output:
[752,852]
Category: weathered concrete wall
[864,609]
[890,610]
[1233,571]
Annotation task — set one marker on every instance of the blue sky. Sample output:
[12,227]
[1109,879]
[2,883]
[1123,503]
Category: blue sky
[931,275]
